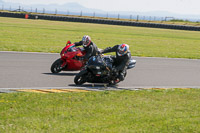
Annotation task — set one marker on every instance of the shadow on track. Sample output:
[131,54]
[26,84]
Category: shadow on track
[61,74]
[95,86]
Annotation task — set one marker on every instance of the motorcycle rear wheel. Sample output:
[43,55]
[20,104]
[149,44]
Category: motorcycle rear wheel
[56,66]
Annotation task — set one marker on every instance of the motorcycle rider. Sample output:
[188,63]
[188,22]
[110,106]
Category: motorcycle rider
[90,47]
[121,60]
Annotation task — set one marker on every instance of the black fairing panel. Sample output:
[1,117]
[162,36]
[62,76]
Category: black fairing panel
[95,61]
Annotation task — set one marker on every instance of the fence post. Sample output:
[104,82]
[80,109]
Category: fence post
[2,7]
[43,11]
[81,14]
[56,11]
[36,10]
[149,18]
[130,17]
[19,9]
[93,14]
[107,16]
[137,17]
[161,19]
[118,16]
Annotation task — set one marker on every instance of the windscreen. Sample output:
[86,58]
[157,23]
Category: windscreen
[72,49]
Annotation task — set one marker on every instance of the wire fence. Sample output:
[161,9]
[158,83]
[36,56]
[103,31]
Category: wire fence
[105,15]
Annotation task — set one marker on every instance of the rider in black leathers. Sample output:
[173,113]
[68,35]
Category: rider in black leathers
[121,60]
[90,47]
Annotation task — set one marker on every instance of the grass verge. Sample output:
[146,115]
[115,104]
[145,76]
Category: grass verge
[51,36]
[171,110]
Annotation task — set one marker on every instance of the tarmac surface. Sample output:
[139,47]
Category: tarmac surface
[32,70]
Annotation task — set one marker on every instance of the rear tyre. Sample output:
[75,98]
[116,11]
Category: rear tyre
[80,78]
[56,66]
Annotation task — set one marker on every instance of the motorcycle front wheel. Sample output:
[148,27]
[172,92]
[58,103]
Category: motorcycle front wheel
[56,66]
[80,78]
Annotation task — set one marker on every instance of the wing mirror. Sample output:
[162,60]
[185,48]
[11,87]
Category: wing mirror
[68,42]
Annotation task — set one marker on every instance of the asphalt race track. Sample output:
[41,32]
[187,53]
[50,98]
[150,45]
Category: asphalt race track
[32,70]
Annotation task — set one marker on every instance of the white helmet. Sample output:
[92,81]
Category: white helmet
[122,49]
[86,40]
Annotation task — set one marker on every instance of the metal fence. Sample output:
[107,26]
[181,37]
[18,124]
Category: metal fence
[105,15]
[98,21]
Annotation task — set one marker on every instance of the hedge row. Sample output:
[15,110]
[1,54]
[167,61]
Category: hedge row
[100,21]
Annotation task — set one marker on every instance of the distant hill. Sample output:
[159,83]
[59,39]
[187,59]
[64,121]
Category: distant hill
[74,7]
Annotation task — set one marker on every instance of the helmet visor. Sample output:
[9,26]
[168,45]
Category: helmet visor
[120,52]
[85,44]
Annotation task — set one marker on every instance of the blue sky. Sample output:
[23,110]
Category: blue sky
[175,6]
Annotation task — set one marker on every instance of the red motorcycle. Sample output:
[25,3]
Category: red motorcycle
[69,60]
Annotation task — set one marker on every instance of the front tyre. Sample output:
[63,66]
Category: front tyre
[80,78]
[56,66]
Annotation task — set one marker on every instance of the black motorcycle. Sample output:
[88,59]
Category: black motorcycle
[99,70]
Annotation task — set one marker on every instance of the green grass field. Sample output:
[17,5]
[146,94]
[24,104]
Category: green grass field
[149,111]
[51,36]
[166,111]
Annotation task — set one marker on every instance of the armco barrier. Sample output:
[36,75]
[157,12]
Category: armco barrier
[99,21]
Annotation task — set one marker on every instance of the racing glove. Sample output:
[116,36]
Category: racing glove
[99,52]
